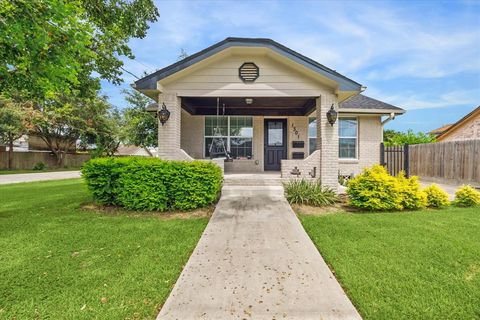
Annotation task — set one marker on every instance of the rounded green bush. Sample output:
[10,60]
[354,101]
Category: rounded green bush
[139,183]
[467,196]
[436,196]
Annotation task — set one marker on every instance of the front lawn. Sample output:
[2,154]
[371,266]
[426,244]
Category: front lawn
[58,261]
[409,265]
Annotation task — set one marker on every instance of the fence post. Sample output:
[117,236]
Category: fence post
[406,160]
[382,154]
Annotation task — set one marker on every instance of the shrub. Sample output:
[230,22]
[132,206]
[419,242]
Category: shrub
[410,193]
[309,193]
[139,183]
[436,196]
[375,189]
[39,166]
[467,196]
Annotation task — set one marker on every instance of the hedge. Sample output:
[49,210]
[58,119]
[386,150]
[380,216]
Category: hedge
[139,183]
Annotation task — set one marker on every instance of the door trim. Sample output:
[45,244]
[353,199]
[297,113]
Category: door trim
[265,142]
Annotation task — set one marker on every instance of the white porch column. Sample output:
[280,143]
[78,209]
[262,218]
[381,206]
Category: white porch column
[169,134]
[327,141]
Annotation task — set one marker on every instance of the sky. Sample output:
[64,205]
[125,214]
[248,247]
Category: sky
[423,56]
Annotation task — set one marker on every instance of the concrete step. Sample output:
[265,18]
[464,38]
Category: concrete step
[252,182]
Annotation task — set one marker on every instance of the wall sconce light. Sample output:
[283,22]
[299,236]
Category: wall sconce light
[163,114]
[332,115]
[248,101]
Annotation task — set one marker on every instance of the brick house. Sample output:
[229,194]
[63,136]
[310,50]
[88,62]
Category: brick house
[467,128]
[267,106]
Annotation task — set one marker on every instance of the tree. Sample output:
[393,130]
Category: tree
[104,130]
[49,47]
[60,123]
[396,138]
[183,54]
[140,127]
[13,123]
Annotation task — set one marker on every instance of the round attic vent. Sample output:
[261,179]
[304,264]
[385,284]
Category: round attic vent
[248,72]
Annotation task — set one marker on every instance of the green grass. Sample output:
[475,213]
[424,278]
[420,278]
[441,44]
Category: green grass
[16,171]
[420,265]
[60,262]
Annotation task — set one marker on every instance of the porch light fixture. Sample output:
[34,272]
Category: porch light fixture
[248,101]
[332,115]
[163,114]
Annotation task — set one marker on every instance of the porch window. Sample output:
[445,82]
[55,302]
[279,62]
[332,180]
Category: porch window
[312,135]
[236,132]
[347,137]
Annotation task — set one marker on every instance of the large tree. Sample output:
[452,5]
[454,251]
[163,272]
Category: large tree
[140,127]
[13,123]
[51,47]
[60,123]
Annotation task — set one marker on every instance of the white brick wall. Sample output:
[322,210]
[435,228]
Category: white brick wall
[327,142]
[308,168]
[169,134]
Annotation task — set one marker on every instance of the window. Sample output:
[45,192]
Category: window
[347,137]
[236,132]
[312,135]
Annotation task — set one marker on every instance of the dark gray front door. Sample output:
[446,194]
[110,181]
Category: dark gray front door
[275,143]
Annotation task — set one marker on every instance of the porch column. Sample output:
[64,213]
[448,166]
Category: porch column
[327,142]
[169,134]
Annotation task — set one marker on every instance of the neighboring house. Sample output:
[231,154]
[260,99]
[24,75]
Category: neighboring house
[275,102]
[467,128]
[132,151]
[439,131]
[36,143]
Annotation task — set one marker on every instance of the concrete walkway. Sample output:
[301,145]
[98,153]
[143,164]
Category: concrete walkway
[29,177]
[255,261]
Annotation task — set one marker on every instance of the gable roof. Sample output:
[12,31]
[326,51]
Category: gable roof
[362,103]
[457,124]
[149,82]
[440,130]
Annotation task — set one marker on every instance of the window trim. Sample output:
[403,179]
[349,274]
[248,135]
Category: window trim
[349,137]
[228,136]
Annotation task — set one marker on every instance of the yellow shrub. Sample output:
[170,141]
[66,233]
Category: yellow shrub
[410,193]
[466,196]
[374,189]
[436,196]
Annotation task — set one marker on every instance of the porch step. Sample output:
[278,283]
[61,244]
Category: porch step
[252,180]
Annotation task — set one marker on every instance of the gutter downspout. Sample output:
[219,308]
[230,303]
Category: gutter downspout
[384,122]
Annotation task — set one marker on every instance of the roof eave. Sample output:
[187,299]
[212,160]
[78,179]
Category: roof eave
[150,82]
[372,111]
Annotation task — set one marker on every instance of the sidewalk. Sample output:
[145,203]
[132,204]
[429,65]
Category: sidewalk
[255,261]
[29,177]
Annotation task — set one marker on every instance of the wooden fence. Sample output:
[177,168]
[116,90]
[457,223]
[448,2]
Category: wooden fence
[451,161]
[27,159]
[395,159]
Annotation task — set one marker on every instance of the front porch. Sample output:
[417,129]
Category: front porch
[260,134]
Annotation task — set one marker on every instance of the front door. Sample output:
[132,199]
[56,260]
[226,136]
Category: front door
[275,143]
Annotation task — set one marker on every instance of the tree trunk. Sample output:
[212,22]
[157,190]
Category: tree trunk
[10,154]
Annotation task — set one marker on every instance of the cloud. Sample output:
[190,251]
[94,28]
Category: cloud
[415,100]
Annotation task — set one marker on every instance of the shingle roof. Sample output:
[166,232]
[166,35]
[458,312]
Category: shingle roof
[361,101]
[149,81]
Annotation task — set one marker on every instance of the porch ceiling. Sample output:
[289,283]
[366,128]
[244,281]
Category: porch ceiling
[266,106]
